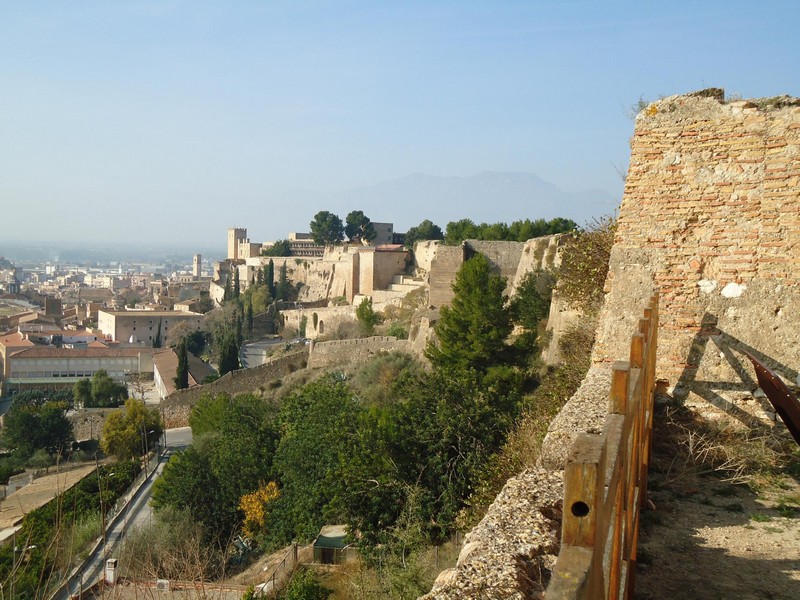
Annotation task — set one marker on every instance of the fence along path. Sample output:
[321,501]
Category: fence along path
[605,482]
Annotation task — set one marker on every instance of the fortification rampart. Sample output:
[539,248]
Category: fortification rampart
[178,406]
[337,353]
[711,220]
[319,321]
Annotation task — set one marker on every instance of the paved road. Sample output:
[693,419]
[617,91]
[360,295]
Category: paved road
[137,514]
[252,355]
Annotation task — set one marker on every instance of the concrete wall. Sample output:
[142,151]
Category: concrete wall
[504,257]
[424,253]
[538,253]
[376,270]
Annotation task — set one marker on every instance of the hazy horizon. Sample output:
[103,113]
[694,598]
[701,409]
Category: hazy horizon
[168,122]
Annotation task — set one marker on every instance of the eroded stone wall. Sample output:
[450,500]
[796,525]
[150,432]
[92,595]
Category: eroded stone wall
[338,353]
[178,406]
[711,220]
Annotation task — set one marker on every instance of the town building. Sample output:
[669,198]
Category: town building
[165,368]
[236,235]
[48,366]
[197,266]
[144,325]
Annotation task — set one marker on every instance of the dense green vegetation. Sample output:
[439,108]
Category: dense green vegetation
[101,391]
[279,248]
[326,228]
[518,231]
[392,448]
[51,536]
[426,230]
[402,455]
[359,228]
[131,431]
[31,427]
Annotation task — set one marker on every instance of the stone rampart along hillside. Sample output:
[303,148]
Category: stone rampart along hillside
[710,220]
[178,406]
[438,264]
[345,353]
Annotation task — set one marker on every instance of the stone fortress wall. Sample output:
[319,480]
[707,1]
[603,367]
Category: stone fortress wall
[710,220]
[178,405]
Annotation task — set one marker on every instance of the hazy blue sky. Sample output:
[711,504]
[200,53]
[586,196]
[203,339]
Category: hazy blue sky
[151,120]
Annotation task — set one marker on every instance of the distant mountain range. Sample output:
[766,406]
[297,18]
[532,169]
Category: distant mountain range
[486,197]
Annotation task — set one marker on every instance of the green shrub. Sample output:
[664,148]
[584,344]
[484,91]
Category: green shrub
[398,331]
[584,264]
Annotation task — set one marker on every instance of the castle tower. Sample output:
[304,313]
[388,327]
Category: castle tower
[235,236]
[197,266]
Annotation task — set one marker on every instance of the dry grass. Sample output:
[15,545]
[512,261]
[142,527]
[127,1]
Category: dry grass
[749,453]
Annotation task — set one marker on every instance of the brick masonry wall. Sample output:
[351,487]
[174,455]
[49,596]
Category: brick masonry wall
[710,219]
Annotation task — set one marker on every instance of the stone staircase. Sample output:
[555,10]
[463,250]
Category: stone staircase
[401,286]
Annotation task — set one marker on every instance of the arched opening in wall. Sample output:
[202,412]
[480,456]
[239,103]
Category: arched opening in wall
[315,320]
[321,328]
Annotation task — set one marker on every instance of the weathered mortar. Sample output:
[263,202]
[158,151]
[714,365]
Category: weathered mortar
[711,220]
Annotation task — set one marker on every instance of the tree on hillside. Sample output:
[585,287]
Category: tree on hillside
[269,278]
[359,228]
[236,284]
[319,425]
[182,372]
[327,228]
[132,430]
[530,305]
[82,393]
[279,248]
[226,293]
[157,342]
[426,230]
[458,231]
[100,392]
[228,354]
[248,315]
[367,317]
[472,331]
[29,428]
[283,289]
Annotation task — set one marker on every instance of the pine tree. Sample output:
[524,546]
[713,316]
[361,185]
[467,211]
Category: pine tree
[269,279]
[235,290]
[182,372]
[249,318]
[228,354]
[282,290]
[227,294]
[472,331]
[239,336]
